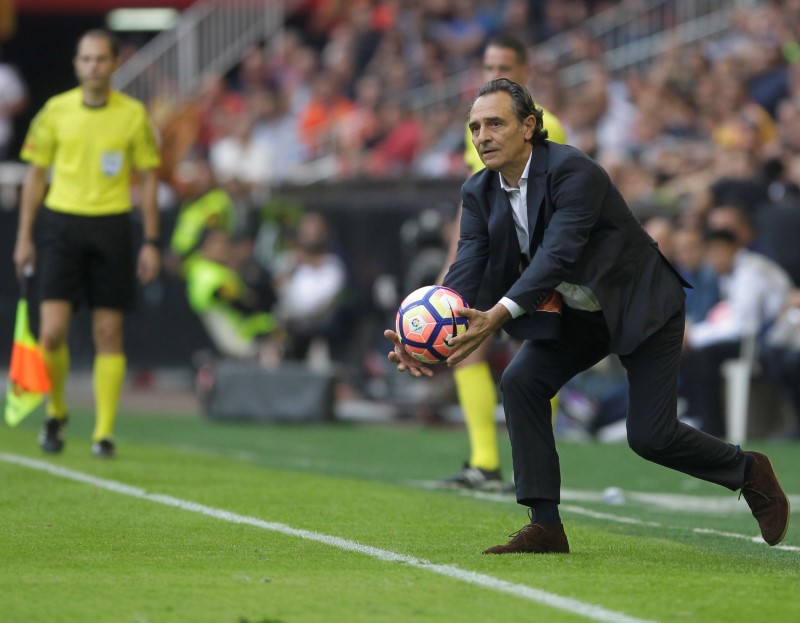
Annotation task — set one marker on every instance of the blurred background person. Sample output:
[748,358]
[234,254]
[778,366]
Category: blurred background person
[13,100]
[204,206]
[310,283]
[779,357]
[753,292]
[235,315]
[688,257]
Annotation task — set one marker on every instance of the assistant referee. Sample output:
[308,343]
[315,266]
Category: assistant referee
[89,138]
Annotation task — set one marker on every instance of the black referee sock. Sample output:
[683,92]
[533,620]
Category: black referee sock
[545,511]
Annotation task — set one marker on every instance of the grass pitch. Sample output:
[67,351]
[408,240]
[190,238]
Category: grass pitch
[676,550]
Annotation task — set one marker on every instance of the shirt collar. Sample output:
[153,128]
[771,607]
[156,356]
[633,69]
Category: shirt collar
[524,176]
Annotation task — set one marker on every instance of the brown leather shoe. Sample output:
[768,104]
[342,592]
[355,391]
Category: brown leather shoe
[535,538]
[766,499]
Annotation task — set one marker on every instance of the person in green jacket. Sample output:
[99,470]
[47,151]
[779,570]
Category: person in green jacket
[231,311]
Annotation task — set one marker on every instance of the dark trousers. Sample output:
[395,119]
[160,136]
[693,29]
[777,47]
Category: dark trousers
[540,368]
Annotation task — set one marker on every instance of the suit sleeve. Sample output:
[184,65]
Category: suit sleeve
[466,272]
[578,188]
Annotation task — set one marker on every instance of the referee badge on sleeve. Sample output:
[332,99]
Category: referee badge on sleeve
[111,162]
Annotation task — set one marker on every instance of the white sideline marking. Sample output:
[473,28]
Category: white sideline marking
[754,539]
[676,502]
[579,510]
[589,611]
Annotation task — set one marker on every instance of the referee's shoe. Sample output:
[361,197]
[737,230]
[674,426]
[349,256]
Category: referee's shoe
[474,478]
[51,439]
[103,449]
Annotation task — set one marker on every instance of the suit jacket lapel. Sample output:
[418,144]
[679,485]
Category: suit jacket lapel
[536,188]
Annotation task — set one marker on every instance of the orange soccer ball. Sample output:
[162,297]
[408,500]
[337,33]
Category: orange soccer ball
[426,319]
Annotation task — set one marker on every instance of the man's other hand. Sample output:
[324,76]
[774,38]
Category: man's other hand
[404,361]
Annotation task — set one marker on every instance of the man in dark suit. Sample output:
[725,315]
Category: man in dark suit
[553,229]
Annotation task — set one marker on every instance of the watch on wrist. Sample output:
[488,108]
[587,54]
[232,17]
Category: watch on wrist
[156,242]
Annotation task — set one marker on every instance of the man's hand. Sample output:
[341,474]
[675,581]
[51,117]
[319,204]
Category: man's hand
[149,263]
[481,326]
[24,255]
[404,361]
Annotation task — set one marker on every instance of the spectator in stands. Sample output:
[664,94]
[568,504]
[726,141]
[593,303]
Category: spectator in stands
[688,256]
[13,98]
[310,281]
[401,138]
[754,290]
[318,122]
[235,316]
[777,224]
[274,133]
[519,20]
[739,180]
[217,105]
[788,116]
[741,124]
[461,33]
[780,356]
[661,229]
[240,164]
[360,128]
[441,150]
[252,74]
[294,66]
[205,206]
[734,219]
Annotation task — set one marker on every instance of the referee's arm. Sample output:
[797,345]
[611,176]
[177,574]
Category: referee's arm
[149,262]
[32,195]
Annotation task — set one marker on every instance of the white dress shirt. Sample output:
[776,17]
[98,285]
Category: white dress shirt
[577,297]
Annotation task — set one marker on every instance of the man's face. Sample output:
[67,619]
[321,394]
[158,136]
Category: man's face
[720,255]
[503,63]
[94,63]
[501,140]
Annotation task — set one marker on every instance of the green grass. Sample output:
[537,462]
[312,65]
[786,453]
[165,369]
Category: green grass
[73,552]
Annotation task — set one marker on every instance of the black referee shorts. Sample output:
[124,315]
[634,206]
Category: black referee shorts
[87,258]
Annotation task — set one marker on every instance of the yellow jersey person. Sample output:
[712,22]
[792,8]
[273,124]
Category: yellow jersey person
[89,138]
[503,57]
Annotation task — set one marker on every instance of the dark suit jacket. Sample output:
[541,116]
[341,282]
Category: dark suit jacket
[582,232]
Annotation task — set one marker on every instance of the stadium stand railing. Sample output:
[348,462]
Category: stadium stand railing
[209,38]
[632,34]
[635,33]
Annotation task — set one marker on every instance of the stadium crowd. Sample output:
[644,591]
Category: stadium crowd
[704,144]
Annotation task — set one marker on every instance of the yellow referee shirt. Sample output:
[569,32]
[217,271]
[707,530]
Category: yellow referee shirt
[91,151]
[555,133]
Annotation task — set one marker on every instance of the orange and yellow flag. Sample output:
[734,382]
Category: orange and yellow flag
[27,377]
